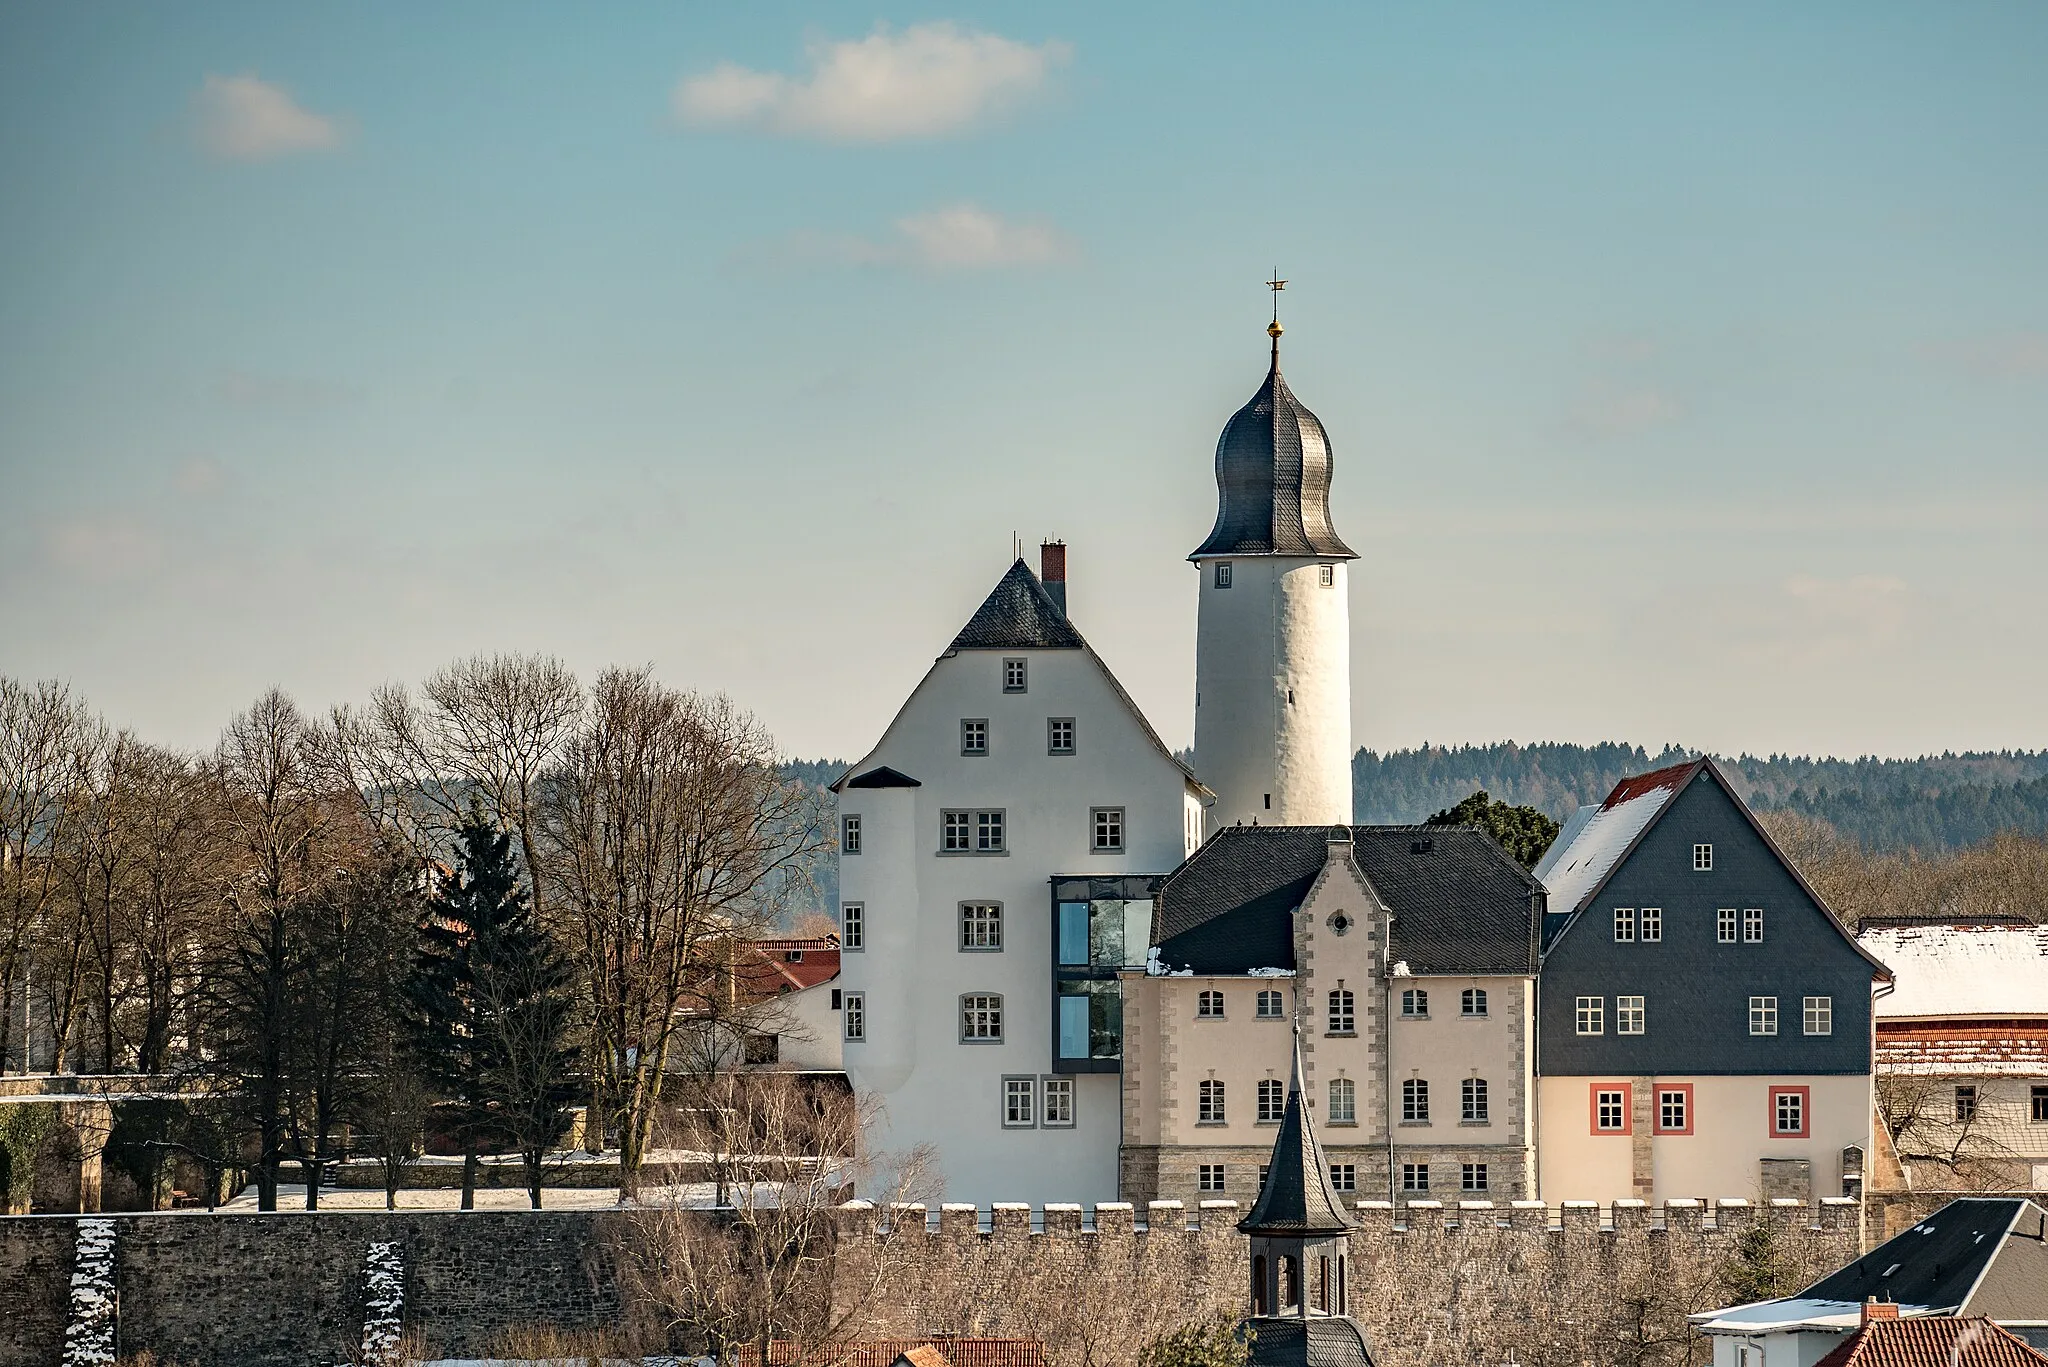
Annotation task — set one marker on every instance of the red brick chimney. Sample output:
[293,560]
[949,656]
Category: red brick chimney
[1052,569]
[1875,1309]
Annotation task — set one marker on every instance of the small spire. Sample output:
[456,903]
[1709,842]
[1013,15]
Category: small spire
[1273,329]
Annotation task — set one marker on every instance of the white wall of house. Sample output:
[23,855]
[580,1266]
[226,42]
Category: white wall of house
[911,971]
[808,1030]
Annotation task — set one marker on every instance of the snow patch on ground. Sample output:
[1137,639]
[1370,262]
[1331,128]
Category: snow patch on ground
[89,1331]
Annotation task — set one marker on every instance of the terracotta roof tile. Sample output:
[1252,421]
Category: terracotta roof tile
[1932,1341]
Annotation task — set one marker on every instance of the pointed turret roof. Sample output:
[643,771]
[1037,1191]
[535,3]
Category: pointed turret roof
[1018,615]
[1297,1198]
[1273,479]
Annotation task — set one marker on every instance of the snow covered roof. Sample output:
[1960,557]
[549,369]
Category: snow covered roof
[1609,832]
[1961,970]
[1573,824]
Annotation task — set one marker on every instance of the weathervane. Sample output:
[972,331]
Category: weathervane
[1273,330]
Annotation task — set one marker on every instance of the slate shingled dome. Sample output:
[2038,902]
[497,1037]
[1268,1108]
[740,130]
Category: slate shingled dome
[1273,480]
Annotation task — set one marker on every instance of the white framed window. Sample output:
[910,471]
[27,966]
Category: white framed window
[1272,1100]
[1223,574]
[1015,673]
[1059,1103]
[1724,925]
[1344,1177]
[1702,858]
[853,926]
[971,832]
[1653,925]
[1326,575]
[1209,1177]
[1592,1015]
[1271,1005]
[1819,1015]
[1610,1111]
[1415,1100]
[849,833]
[1473,1109]
[1763,1015]
[1343,1101]
[1059,735]
[974,735]
[1209,1109]
[1472,1002]
[1415,1177]
[1624,925]
[1343,1015]
[981,925]
[1788,1111]
[1628,1015]
[1107,824]
[1209,1005]
[1414,1002]
[1472,1177]
[1752,925]
[1020,1103]
[853,1015]
[981,1018]
[1672,1107]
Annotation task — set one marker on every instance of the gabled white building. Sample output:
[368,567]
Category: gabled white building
[1018,763]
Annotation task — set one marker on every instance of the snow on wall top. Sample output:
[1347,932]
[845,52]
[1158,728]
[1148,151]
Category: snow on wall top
[1962,970]
[1609,831]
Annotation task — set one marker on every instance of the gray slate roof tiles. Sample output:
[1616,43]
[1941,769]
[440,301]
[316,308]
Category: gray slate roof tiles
[1018,615]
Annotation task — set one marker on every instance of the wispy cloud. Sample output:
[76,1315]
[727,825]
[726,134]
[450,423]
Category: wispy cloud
[242,118]
[928,80]
[957,237]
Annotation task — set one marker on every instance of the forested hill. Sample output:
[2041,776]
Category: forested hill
[1938,802]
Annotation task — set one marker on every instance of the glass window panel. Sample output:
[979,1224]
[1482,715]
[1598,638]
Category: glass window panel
[1073,1025]
[1073,932]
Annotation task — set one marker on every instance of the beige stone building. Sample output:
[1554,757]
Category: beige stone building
[1409,955]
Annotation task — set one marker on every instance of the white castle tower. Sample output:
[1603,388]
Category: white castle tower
[1273,634]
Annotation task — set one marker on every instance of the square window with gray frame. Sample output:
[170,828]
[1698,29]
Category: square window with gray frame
[1209,1005]
[1344,1176]
[849,833]
[1763,1015]
[1415,1003]
[1415,1177]
[1209,1177]
[1059,1103]
[853,926]
[1223,574]
[1020,1103]
[981,925]
[1819,1015]
[981,1018]
[1059,735]
[971,832]
[853,1015]
[1107,824]
[1015,674]
[974,735]
[1472,1177]
[1472,1002]
[1702,858]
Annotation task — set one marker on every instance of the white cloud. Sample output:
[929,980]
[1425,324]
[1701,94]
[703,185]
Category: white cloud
[956,237]
[241,118]
[928,80]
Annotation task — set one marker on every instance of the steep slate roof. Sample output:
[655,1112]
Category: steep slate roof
[1934,1341]
[1273,479]
[1319,1341]
[1018,615]
[1460,906]
[1297,1198]
[881,776]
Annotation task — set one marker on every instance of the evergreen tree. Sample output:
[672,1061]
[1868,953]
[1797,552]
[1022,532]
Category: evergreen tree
[1523,832]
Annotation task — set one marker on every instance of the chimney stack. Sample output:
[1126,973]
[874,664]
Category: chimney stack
[1052,569]
[1875,1309]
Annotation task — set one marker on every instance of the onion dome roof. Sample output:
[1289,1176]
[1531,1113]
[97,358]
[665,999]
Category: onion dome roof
[1273,479]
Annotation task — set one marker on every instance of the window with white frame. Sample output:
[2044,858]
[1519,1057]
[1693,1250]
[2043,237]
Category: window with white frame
[1272,1100]
[1415,1177]
[1763,1015]
[1326,575]
[1059,1102]
[1610,1110]
[1209,1102]
[971,832]
[1020,1102]
[1724,925]
[1472,1177]
[1209,1177]
[1415,1101]
[1702,858]
[1624,925]
[1752,925]
[849,833]
[1209,1005]
[853,926]
[1788,1112]
[981,1018]
[974,736]
[981,925]
[1271,1005]
[1343,1016]
[853,1015]
[1672,1107]
[1223,574]
[1474,1109]
[1059,735]
[1592,1015]
[1819,1014]
[1014,676]
[1108,826]
[1653,925]
[1414,1002]
[1472,1002]
[1343,1101]
[1628,1015]
[1344,1176]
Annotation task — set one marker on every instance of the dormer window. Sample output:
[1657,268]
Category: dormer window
[1223,574]
[1014,676]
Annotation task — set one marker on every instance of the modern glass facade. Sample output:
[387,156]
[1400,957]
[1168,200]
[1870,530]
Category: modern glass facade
[1100,925]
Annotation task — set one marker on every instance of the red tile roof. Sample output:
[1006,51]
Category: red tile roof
[1641,784]
[958,1352]
[1932,1341]
[1988,1048]
[792,964]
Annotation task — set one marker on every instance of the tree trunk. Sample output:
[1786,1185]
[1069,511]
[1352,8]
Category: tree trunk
[532,1158]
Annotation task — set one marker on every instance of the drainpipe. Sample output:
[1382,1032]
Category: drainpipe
[1387,1044]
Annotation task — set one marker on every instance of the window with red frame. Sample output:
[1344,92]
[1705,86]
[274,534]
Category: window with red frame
[1790,1112]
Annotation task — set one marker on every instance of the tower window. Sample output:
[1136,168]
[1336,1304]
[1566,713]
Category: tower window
[1269,802]
[849,833]
[854,1015]
[1014,676]
[1223,574]
[1326,575]
[853,926]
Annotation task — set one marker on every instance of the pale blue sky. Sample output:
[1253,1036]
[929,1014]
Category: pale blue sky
[1687,372]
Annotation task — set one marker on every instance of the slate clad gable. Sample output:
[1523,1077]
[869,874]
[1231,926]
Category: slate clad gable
[1018,615]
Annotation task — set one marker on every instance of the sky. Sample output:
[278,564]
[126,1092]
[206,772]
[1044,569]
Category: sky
[1686,368]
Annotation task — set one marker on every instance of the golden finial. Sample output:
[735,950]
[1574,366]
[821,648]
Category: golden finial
[1273,329]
